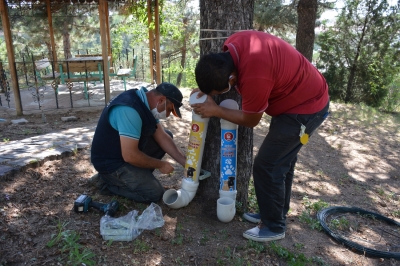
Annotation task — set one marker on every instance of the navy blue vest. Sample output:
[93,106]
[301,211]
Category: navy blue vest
[106,155]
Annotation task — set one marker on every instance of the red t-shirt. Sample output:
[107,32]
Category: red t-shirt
[273,77]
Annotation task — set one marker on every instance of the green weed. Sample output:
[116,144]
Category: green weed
[140,246]
[381,191]
[396,213]
[204,238]
[178,240]
[339,224]
[299,245]
[306,218]
[224,234]
[55,238]
[256,246]
[292,259]
[314,206]
[6,140]
[252,199]
[68,242]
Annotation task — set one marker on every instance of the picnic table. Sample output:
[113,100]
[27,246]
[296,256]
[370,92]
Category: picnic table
[82,68]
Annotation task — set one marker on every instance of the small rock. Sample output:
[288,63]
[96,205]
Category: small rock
[21,121]
[68,118]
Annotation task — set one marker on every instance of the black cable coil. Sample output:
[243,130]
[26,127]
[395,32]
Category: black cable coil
[323,214]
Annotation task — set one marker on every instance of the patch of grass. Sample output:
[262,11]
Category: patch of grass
[224,234]
[396,213]
[292,258]
[75,150]
[204,238]
[307,218]
[256,246]
[252,199]
[339,224]
[314,206]
[33,161]
[381,191]
[299,245]
[178,240]
[140,246]
[68,242]
[6,140]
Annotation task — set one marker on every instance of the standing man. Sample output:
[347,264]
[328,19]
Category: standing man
[273,78]
[129,143]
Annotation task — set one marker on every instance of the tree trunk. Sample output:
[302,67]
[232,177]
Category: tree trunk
[228,18]
[183,52]
[66,41]
[183,60]
[353,69]
[307,14]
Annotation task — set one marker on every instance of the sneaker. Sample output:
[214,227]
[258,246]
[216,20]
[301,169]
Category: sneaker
[252,217]
[261,233]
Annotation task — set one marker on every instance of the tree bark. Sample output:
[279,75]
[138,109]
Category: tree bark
[307,15]
[66,41]
[227,17]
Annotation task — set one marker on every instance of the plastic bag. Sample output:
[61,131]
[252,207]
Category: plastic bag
[130,226]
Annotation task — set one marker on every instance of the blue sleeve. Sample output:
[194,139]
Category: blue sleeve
[126,121]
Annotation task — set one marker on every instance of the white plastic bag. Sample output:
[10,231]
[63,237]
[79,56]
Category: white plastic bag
[130,226]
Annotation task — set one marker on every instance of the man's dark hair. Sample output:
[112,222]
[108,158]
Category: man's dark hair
[213,70]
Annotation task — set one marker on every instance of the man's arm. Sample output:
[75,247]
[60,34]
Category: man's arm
[209,108]
[168,145]
[131,154]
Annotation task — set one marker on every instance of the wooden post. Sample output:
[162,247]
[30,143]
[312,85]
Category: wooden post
[151,37]
[108,29]
[53,43]
[157,44]
[11,57]
[104,49]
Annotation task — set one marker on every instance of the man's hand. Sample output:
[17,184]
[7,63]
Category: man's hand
[166,168]
[207,109]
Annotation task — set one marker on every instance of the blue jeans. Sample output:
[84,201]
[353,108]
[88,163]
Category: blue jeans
[274,165]
[135,183]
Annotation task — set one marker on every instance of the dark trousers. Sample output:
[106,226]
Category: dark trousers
[274,164]
[135,183]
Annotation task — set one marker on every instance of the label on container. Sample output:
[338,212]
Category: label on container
[193,154]
[228,160]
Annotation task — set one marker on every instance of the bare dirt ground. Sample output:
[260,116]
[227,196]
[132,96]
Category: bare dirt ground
[352,160]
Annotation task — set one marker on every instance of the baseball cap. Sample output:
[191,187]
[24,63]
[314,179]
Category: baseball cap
[173,94]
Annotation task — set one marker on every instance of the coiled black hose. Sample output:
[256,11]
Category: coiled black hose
[323,214]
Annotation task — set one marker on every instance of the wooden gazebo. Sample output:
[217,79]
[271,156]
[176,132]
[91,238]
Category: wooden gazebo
[154,43]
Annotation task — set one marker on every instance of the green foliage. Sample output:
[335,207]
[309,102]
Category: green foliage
[360,55]
[258,247]
[391,102]
[339,223]
[252,199]
[140,246]
[68,242]
[275,16]
[308,216]
[293,259]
